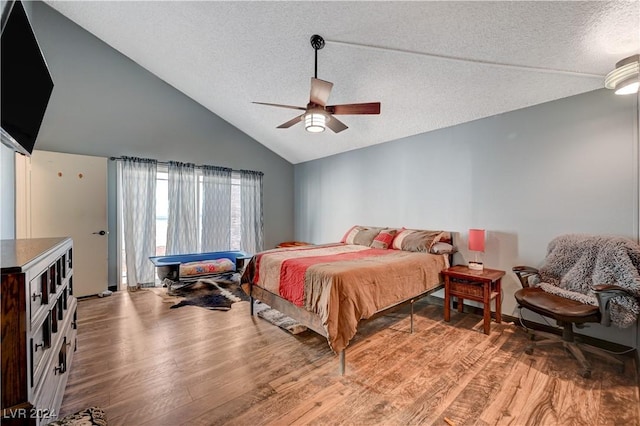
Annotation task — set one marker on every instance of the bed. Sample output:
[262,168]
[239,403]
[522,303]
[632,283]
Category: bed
[330,288]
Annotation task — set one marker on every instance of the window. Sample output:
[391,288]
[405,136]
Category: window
[236,211]
[168,208]
[162,211]
[162,214]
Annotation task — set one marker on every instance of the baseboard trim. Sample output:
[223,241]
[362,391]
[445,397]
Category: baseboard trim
[603,344]
[593,341]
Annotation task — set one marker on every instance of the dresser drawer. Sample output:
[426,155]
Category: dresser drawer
[60,267]
[38,295]
[54,319]
[40,349]
[55,278]
[49,392]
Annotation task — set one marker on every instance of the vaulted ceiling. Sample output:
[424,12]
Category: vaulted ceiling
[430,64]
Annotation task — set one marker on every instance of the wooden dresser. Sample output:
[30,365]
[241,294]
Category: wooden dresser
[38,316]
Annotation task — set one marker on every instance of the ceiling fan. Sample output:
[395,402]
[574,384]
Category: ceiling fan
[317,115]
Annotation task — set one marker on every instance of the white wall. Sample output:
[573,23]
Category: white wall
[7,196]
[525,176]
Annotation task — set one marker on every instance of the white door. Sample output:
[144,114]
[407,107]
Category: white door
[69,198]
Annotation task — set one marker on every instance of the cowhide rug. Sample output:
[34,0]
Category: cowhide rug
[210,293]
[219,294]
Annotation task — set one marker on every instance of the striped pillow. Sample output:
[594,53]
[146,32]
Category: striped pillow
[207,267]
[416,240]
[348,234]
[361,235]
[384,239]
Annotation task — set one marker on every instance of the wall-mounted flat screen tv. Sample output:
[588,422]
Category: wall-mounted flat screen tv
[26,81]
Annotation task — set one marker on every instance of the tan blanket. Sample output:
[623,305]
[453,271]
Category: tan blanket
[344,283]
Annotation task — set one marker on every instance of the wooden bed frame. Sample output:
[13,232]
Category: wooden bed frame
[313,321]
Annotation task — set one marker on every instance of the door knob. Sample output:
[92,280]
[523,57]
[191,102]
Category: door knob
[100,233]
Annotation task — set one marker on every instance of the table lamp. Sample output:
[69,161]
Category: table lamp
[476,243]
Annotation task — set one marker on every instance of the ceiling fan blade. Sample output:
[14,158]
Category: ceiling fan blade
[336,125]
[320,91]
[291,122]
[366,108]
[281,106]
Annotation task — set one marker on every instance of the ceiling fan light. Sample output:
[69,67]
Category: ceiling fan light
[315,122]
[628,87]
[625,78]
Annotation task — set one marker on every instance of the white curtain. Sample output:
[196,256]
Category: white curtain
[216,209]
[252,228]
[182,223]
[138,211]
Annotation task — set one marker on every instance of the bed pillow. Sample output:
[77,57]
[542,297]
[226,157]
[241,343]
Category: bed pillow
[207,267]
[384,239]
[348,233]
[416,240]
[442,248]
[361,235]
[446,238]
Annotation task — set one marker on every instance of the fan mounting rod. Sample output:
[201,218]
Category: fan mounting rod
[317,42]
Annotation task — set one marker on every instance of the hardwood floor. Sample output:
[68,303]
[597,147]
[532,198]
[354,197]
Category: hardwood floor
[147,364]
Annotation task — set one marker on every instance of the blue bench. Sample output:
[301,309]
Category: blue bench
[168,267]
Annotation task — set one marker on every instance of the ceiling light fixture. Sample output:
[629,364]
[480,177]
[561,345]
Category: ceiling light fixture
[315,121]
[317,115]
[625,79]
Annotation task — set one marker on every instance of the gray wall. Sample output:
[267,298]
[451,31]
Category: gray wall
[525,176]
[104,104]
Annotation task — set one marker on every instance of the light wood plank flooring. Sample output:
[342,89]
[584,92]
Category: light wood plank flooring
[146,364]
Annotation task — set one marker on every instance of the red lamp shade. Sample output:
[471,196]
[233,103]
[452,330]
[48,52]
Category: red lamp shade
[476,240]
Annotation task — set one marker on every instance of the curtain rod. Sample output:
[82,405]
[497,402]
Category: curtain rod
[120,158]
[166,163]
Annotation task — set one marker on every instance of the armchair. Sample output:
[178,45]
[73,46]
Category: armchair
[567,313]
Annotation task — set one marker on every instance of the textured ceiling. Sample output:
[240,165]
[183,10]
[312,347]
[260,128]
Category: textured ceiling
[430,64]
